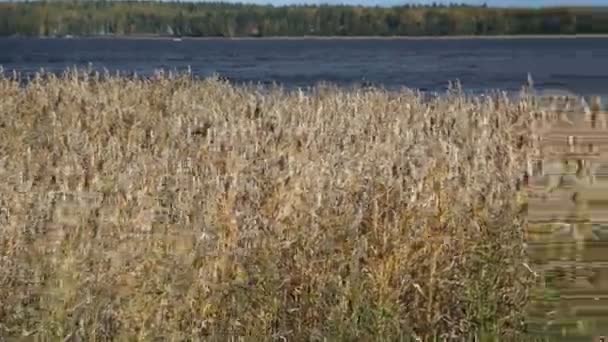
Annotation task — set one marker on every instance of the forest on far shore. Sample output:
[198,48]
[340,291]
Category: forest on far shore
[109,18]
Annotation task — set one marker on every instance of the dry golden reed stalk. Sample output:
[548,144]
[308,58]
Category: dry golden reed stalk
[198,210]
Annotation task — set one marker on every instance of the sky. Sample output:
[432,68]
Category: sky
[500,3]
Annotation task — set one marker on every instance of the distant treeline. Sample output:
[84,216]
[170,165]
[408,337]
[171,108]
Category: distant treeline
[95,18]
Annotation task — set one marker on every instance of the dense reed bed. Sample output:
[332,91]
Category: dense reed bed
[173,209]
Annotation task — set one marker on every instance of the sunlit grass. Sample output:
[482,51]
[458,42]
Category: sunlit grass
[180,209]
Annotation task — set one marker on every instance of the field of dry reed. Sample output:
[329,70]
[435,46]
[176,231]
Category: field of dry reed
[175,209]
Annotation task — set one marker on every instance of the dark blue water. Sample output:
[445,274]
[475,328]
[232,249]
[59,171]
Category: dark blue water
[576,65]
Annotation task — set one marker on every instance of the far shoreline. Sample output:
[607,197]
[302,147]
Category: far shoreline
[455,37]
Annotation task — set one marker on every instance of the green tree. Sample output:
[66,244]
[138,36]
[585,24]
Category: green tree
[99,17]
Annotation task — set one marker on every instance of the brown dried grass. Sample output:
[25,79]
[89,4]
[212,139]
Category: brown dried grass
[197,210]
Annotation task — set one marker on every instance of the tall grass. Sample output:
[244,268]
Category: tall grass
[176,209]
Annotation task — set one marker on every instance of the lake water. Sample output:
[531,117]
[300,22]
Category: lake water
[571,302]
[577,65]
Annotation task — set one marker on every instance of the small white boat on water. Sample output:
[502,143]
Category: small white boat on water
[177,39]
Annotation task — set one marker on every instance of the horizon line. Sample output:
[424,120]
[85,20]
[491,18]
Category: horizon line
[387,4]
